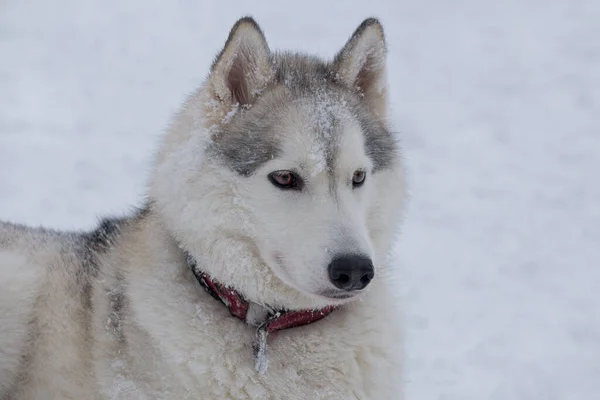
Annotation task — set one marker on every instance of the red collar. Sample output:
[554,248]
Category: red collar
[273,322]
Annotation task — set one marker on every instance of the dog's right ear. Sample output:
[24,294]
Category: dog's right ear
[243,68]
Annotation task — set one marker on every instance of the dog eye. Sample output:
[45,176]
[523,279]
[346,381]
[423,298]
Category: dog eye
[285,180]
[358,178]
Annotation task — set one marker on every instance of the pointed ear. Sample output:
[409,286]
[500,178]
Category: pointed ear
[360,65]
[243,68]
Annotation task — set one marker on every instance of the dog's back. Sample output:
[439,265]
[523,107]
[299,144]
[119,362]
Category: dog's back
[45,307]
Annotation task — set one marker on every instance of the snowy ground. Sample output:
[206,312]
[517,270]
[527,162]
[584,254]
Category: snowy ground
[499,106]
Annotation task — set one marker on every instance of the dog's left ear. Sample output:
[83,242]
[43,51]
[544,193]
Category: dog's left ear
[360,65]
[243,68]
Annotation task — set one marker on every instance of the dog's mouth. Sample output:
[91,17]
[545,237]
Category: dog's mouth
[339,295]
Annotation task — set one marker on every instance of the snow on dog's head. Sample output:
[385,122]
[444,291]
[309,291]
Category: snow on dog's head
[280,175]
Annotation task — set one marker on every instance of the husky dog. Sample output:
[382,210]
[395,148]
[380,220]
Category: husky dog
[258,267]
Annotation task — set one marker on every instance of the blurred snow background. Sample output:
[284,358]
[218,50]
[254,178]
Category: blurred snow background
[499,108]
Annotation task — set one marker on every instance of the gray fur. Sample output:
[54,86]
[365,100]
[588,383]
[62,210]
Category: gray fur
[117,313]
[83,252]
[248,141]
[117,303]
[250,138]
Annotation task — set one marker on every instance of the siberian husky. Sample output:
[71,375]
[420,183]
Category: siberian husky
[257,268]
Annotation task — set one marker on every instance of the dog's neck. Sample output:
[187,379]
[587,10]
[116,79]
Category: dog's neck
[252,313]
[265,319]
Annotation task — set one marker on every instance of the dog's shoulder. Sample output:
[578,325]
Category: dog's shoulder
[25,240]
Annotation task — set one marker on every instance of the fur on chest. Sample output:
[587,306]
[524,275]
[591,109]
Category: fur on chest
[201,348]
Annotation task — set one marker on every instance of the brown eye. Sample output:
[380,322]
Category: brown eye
[285,179]
[358,178]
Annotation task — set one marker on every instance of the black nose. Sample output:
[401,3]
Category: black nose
[351,272]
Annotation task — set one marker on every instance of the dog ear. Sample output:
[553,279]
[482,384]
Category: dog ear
[243,68]
[360,65]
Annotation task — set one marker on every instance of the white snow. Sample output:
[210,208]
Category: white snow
[498,104]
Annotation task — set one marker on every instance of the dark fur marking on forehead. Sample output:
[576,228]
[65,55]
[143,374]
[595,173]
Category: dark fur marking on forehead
[301,73]
[247,142]
[381,145]
[304,75]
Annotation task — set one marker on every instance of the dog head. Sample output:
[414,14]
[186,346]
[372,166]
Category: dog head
[280,174]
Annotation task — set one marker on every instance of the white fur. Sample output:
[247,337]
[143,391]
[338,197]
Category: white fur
[16,299]
[168,338]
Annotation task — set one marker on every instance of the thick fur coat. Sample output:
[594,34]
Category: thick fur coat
[117,313]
